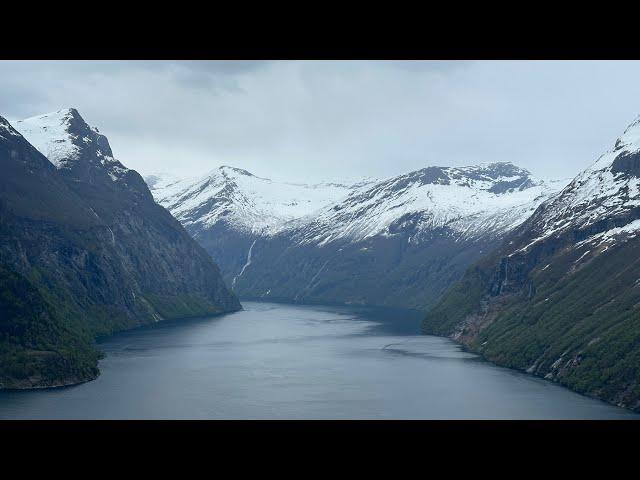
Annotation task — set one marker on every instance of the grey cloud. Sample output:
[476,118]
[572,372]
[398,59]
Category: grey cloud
[209,74]
[315,120]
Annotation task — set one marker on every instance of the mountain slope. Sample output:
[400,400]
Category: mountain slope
[86,234]
[469,201]
[375,242]
[243,200]
[230,208]
[560,297]
[37,346]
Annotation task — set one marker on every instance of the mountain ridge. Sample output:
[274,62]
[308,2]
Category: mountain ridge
[284,246]
[559,297]
[85,236]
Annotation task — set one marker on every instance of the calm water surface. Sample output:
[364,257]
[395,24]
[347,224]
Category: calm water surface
[275,361]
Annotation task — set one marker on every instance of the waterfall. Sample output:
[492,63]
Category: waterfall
[233,284]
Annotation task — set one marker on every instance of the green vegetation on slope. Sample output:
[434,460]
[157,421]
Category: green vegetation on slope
[84,254]
[461,300]
[182,306]
[580,327]
[37,346]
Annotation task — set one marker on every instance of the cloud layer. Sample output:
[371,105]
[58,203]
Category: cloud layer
[342,120]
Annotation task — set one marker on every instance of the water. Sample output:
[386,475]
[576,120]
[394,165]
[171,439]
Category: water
[279,361]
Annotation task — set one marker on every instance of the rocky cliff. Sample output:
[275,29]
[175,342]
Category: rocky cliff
[82,232]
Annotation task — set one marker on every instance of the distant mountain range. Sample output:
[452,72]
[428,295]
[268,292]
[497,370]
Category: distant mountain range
[396,242]
[84,251]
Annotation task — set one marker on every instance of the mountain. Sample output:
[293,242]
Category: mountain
[85,251]
[229,208]
[560,297]
[395,242]
[240,199]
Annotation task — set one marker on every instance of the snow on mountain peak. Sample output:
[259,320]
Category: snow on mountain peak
[499,177]
[491,198]
[631,136]
[6,128]
[487,199]
[49,134]
[64,137]
[226,169]
[241,199]
[607,191]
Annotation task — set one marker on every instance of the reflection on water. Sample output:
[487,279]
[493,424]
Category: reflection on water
[276,361]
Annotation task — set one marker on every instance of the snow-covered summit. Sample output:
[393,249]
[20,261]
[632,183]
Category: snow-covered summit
[6,128]
[65,139]
[471,201]
[499,177]
[488,199]
[228,170]
[50,134]
[608,192]
[242,200]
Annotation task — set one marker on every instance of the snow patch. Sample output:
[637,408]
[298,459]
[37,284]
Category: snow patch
[49,135]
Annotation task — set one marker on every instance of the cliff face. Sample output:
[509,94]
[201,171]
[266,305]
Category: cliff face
[83,232]
[560,297]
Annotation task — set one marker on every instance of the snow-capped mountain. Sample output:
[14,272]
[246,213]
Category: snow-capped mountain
[84,237]
[602,202]
[146,239]
[560,297]
[243,201]
[284,241]
[476,201]
[65,138]
[470,200]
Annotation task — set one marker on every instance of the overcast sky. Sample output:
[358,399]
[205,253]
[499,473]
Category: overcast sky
[336,120]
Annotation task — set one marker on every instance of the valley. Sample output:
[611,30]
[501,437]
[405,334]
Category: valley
[536,275]
[292,362]
[533,274]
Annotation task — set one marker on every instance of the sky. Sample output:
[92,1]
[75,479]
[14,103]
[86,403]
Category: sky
[318,121]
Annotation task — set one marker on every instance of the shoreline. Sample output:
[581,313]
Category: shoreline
[66,383]
[468,349]
[465,346]
[55,386]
